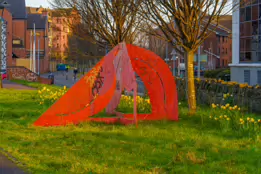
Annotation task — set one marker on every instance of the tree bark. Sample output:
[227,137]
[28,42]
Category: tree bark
[191,83]
[1,82]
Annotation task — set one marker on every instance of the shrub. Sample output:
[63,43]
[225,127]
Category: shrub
[213,73]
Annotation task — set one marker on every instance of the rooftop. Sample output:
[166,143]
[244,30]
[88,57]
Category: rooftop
[38,20]
[16,7]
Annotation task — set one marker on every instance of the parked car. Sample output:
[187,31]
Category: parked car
[3,74]
[62,67]
[202,71]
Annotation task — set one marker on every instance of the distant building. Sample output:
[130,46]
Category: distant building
[246,61]
[217,47]
[19,24]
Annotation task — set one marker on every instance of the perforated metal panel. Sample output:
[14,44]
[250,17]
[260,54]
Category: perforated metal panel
[247,76]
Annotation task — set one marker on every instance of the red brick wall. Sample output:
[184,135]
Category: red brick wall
[19,31]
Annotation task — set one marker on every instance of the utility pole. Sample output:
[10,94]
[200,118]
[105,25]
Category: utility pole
[34,50]
[39,55]
[31,33]
[174,55]
[199,68]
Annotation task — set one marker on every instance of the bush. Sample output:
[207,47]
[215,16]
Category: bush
[217,73]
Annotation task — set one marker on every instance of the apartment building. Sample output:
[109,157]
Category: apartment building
[246,45]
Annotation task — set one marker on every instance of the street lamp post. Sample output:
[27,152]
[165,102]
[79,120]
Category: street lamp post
[199,68]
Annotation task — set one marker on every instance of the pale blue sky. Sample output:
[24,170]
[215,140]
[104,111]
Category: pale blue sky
[37,3]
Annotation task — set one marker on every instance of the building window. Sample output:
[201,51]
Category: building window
[259,77]
[226,50]
[250,32]
[255,12]
[247,76]
[248,14]
[57,45]
[17,42]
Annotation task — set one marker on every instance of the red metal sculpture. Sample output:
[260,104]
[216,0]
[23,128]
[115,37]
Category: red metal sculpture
[102,87]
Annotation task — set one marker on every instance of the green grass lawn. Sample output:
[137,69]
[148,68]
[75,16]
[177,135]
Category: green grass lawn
[192,145]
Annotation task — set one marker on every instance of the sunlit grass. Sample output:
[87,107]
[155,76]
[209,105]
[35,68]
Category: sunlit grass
[192,145]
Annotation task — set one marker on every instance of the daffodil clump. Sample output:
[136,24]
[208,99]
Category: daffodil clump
[126,104]
[230,116]
[50,95]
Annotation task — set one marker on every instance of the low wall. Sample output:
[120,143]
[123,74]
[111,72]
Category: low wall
[22,73]
[211,91]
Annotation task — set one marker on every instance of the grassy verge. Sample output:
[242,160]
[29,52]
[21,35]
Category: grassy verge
[192,145]
[35,84]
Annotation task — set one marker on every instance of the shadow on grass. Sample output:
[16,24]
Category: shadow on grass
[139,148]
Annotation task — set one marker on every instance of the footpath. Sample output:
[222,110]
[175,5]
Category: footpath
[6,165]
[11,85]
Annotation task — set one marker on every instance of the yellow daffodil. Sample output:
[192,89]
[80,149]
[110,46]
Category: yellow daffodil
[213,105]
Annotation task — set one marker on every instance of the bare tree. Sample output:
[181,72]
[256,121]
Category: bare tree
[104,21]
[185,24]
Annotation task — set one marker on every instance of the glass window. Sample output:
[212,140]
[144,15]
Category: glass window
[242,45]
[255,28]
[242,56]
[259,56]
[242,15]
[242,29]
[254,43]
[255,12]
[254,1]
[254,56]
[248,45]
[260,10]
[259,42]
[248,13]
[248,28]
[248,56]
[259,27]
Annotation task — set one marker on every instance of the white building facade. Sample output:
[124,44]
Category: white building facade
[246,44]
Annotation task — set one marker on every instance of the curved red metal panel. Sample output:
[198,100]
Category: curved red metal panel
[159,82]
[81,101]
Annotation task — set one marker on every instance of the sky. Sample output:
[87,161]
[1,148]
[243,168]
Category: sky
[37,3]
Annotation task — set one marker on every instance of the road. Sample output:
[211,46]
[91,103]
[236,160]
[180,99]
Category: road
[60,80]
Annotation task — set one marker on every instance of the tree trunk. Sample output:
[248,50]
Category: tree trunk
[1,82]
[191,83]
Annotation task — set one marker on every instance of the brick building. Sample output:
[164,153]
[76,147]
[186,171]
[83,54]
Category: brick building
[217,47]
[19,26]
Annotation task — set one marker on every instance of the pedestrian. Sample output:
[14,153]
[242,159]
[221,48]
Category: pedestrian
[51,76]
[66,71]
[75,71]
